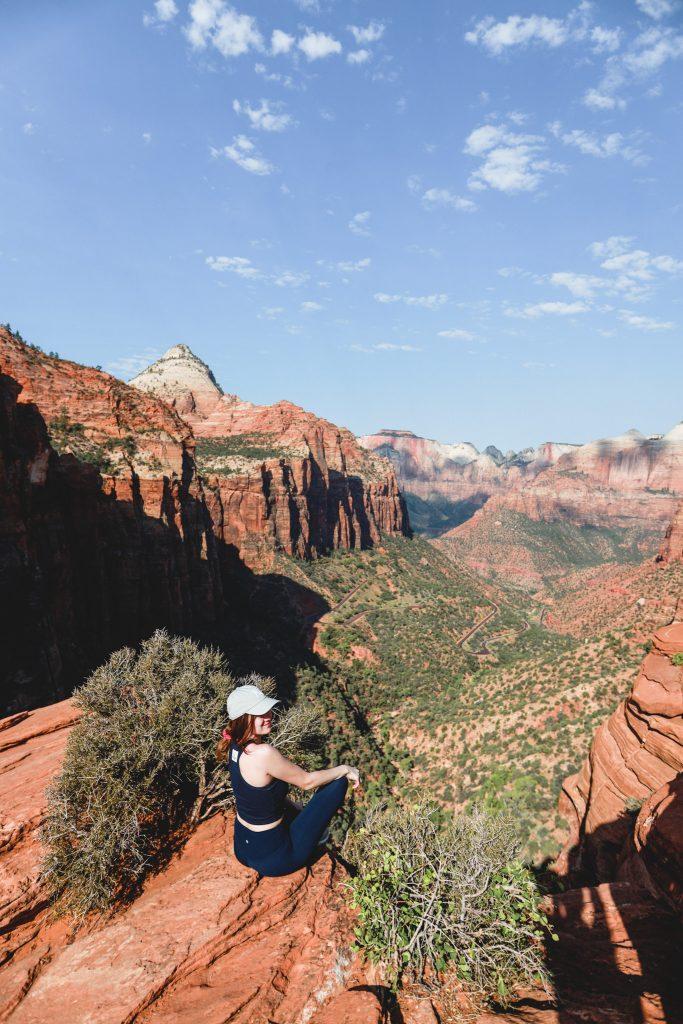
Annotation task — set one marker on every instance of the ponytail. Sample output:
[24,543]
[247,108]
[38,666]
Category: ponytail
[240,733]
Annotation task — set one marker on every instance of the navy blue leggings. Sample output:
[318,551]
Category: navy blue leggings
[291,844]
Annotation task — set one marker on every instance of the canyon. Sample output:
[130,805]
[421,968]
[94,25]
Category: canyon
[624,482]
[113,525]
[206,938]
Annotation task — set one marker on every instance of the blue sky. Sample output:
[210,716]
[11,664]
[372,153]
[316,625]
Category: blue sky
[461,219]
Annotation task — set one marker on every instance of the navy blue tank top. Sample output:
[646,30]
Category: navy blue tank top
[258,805]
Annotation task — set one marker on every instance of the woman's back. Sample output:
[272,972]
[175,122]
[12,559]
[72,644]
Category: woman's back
[256,805]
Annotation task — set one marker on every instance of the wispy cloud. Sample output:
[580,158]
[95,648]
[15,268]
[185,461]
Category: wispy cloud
[358,224]
[370,34]
[130,366]
[644,323]
[243,152]
[267,117]
[612,144]
[423,301]
[656,8]
[311,307]
[510,162]
[538,309]
[385,346]
[280,42]
[164,11]
[539,30]
[457,333]
[239,265]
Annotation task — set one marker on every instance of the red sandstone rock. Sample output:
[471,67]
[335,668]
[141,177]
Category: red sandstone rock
[314,488]
[88,562]
[634,753]
[672,546]
[204,941]
[614,481]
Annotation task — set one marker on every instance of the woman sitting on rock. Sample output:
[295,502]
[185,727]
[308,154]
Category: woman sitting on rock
[273,835]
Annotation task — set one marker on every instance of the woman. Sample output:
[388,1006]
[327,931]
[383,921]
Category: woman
[272,835]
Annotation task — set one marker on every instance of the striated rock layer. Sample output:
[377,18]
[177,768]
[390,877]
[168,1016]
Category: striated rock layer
[89,562]
[280,478]
[620,481]
[635,753]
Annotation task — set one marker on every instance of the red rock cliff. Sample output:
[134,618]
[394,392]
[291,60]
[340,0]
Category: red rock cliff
[636,752]
[90,561]
[278,477]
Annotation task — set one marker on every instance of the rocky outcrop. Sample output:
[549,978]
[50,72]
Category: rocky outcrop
[634,753]
[672,545]
[206,939]
[620,481]
[280,477]
[89,560]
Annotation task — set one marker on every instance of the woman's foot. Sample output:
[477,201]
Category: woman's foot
[324,837]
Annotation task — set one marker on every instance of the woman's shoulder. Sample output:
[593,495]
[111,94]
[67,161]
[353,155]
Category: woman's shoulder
[257,750]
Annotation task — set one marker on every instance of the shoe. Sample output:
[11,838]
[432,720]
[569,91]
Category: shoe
[324,838]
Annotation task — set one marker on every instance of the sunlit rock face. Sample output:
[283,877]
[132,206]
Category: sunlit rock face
[278,477]
[620,480]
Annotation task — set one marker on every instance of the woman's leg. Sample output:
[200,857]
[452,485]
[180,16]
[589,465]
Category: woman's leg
[309,824]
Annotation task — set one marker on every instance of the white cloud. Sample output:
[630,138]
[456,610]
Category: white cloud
[646,55]
[239,265]
[243,152]
[385,346]
[424,301]
[267,117]
[316,45]
[613,144]
[232,33]
[532,312]
[510,162]
[458,333]
[280,42]
[434,197]
[291,279]
[536,29]
[644,323]
[146,137]
[655,8]
[164,11]
[517,31]
[583,286]
[311,307]
[358,56]
[370,34]
[271,313]
[358,224]
[353,266]
[129,366]
[29,128]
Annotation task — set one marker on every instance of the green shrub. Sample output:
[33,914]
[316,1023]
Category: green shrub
[139,763]
[677,658]
[446,897]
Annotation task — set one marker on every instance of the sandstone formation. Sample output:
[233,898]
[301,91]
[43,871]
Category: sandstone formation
[635,753]
[672,545]
[620,481]
[277,477]
[206,940]
[90,561]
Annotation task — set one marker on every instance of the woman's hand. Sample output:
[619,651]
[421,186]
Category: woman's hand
[352,775]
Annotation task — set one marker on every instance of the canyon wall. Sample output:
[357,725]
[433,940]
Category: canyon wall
[278,477]
[90,562]
[620,481]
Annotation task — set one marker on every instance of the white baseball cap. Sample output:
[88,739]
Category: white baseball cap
[248,699]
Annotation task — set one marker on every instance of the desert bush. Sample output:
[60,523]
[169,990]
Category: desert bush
[140,763]
[442,898]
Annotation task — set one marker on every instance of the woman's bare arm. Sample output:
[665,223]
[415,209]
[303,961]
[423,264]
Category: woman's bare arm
[280,767]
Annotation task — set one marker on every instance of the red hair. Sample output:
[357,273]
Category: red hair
[240,733]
